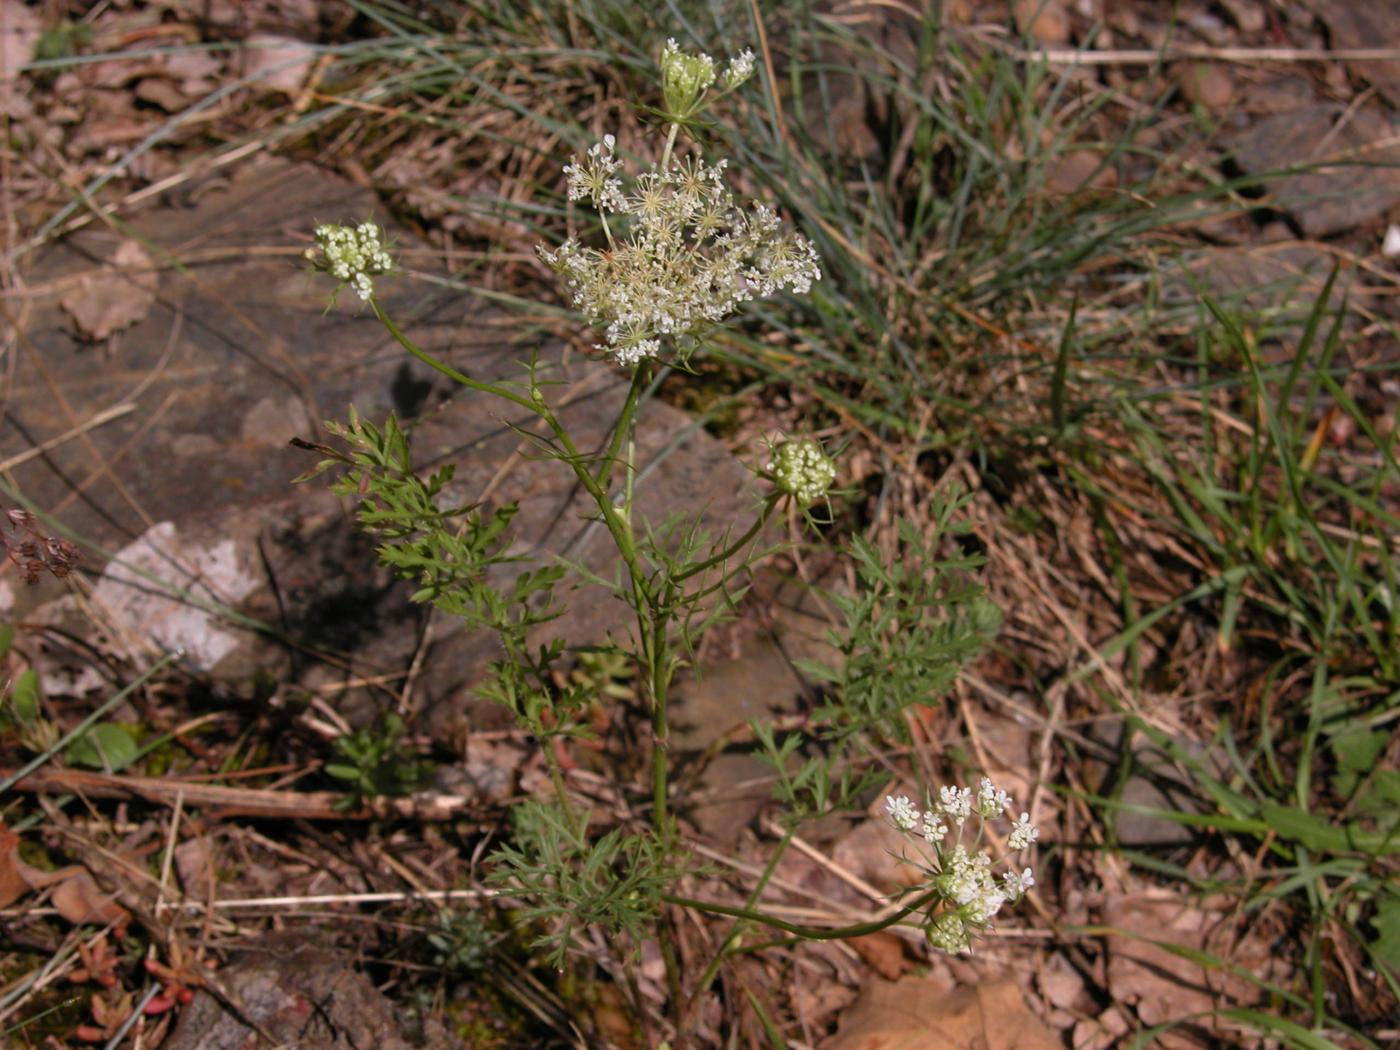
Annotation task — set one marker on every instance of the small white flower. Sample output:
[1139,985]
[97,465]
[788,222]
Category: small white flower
[960,877]
[631,353]
[991,801]
[1015,886]
[934,830]
[740,68]
[983,908]
[903,814]
[967,882]
[1023,833]
[956,803]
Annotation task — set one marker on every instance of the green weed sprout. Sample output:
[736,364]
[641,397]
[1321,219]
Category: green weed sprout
[679,254]
[373,762]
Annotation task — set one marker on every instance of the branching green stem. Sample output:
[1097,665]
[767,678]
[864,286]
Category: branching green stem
[447,370]
[769,505]
[556,777]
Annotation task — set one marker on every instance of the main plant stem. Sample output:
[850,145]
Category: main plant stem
[670,145]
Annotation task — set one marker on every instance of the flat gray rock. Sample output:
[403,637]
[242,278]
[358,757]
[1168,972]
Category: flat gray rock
[301,996]
[1353,159]
[1274,286]
[1365,24]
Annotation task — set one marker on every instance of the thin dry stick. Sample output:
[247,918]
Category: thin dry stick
[777,882]
[1067,56]
[385,897]
[105,416]
[847,876]
[243,802]
[168,861]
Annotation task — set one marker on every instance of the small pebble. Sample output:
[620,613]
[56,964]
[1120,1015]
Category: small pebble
[1079,170]
[1247,14]
[1390,247]
[1208,84]
[1046,20]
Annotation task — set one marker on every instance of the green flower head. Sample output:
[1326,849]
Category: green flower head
[687,76]
[353,255]
[802,470]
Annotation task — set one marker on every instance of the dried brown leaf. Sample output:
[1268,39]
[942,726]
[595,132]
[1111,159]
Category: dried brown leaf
[279,62]
[1161,984]
[19,32]
[883,952]
[114,297]
[875,851]
[159,91]
[195,863]
[79,900]
[921,1014]
[13,884]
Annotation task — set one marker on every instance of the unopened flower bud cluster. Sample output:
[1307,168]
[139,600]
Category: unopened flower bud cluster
[686,76]
[354,255]
[684,259]
[802,470]
[969,893]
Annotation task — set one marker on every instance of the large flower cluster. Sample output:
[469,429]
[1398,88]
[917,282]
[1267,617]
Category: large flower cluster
[685,256]
[968,893]
[353,255]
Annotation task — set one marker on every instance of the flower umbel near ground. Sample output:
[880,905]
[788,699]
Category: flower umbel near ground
[967,893]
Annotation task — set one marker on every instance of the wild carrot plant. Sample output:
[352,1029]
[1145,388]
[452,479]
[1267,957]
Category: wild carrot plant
[678,254]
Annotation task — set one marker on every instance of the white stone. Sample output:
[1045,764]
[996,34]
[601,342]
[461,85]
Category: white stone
[1390,247]
[169,591]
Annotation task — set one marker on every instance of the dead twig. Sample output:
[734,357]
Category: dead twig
[1069,56]
[241,802]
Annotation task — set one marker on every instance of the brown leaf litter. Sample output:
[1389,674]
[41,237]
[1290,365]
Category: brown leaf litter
[918,1014]
[114,297]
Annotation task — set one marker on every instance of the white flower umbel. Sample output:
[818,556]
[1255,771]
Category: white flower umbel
[990,801]
[960,878]
[740,68]
[956,803]
[687,76]
[802,470]
[353,255]
[594,177]
[681,254]
[902,812]
[1023,833]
